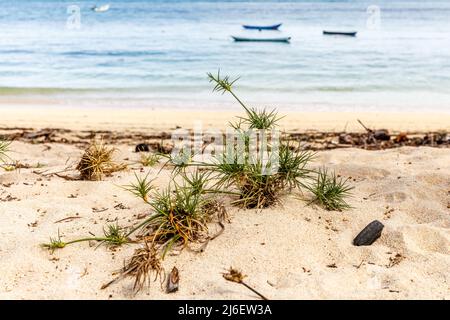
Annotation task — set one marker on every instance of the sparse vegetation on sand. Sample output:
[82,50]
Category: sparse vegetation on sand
[234,275]
[141,187]
[182,211]
[251,174]
[330,191]
[148,159]
[114,235]
[142,263]
[97,161]
[4,148]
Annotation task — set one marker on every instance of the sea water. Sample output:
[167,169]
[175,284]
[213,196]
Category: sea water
[157,53]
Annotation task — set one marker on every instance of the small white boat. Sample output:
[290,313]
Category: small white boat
[102,8]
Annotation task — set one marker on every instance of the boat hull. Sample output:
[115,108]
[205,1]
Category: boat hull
[272,27]
[340,33]
[242,39]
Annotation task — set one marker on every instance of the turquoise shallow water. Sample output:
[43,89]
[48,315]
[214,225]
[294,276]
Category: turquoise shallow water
[158,52]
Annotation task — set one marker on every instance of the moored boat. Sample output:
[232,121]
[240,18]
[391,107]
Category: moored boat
[281,39]
[102,8]
[341,33]
[271,27]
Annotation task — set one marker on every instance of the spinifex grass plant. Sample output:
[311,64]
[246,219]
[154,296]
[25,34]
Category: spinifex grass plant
[256,119]
[330,191]
[113,235]
[141,187]
[178,218]
[256,184]
[181,212]
[4,148]
[97,161]
[149,159]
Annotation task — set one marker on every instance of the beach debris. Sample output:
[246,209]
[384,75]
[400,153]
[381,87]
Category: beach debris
[97,161]
[401,137]
[142,147]
[332,265]
[145,260]
[396,259]
[307,140]
[236,276]
[173,280]
[121,206]
[382,135]
[388,212]
[369,234]
[46,133]
[68,219]
[345,138]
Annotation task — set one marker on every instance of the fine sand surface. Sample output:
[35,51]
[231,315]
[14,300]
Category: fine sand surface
[291,251]
[158,120]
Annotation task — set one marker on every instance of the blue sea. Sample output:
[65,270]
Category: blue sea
[155,54]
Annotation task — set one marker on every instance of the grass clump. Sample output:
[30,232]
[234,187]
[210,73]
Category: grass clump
[149,159]
[181,212]
[178,219]
[114,235]
[256,119]
[250,169]
[4,148]
[330,191]
[97,161]
[141,188]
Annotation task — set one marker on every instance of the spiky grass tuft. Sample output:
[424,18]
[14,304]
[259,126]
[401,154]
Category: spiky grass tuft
[149,159]
[180,214]
[293,166]
[97,161]
[141,188]
[178,217]
[256,119]
[4,148]
[114,235]
[55,243]
[330,191]
[253,178]
[255,189]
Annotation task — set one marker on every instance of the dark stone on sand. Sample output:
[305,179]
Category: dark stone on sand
[142,147]
[369,234]
[382,135]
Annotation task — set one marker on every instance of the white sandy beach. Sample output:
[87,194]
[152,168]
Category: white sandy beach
[151,121]
[291,251]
